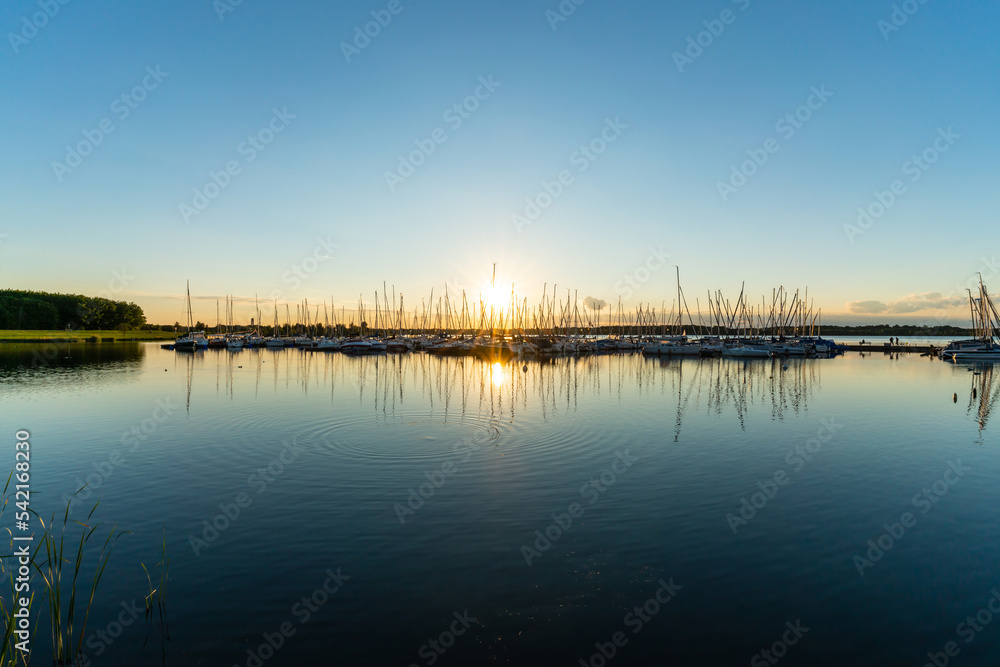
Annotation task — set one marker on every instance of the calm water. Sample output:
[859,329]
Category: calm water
[329,455]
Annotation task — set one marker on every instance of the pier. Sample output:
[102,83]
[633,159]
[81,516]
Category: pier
[887,348]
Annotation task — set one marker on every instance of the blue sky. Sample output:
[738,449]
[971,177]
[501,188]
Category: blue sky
[312,214]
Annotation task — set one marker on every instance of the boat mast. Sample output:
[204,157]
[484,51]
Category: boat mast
[190,325]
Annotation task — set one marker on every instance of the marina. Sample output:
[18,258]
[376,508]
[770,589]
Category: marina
[739,331]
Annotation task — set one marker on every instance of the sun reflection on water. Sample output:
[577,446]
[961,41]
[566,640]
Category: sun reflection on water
[496,374]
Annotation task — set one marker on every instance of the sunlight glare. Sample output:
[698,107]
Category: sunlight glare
[496,374]
[495,297]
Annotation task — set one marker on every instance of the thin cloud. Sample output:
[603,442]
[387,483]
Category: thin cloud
[867,307]
[913,303]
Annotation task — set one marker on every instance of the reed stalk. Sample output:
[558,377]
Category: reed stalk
[67,639]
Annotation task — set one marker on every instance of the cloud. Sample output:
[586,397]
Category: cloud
[925,301]
[867,307]
[913,303]
[594,303]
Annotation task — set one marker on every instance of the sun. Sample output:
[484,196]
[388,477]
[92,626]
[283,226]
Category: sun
[495,297]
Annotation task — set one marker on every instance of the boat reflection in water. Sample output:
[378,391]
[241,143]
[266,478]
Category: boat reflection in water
[774,387]
[983,393]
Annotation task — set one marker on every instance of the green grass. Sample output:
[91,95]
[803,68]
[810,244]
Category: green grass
[80,335]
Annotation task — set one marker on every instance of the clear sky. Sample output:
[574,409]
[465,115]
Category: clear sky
[349,163]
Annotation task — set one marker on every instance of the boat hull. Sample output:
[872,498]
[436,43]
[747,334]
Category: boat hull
[746,352]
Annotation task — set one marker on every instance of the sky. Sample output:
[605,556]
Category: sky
[314,150]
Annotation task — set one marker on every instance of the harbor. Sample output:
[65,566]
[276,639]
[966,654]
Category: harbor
[505,328]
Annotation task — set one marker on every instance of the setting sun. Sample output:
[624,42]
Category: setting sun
[494,296]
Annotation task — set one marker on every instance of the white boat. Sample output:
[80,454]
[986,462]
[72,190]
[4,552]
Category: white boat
[398,345]
[672,348]
[963,347]
[325,343]
[780,349]
[983,354]
[711,347]
[234,343]
[450,347]
[185,344]
[356,346]
[524,348]
[627,344]
[193,340]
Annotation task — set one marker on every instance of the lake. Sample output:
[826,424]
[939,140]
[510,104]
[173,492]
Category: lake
[330,509]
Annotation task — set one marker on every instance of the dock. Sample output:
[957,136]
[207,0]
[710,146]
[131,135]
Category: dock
[887,348]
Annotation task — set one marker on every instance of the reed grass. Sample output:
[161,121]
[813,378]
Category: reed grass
[159,595]
[68,597]
[51,570]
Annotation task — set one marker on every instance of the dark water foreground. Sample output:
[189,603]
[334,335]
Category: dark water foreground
[323,509]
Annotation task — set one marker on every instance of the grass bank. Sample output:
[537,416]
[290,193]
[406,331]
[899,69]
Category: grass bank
[80,335]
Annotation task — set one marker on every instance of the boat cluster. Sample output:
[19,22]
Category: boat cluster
[521,345]
[985,346]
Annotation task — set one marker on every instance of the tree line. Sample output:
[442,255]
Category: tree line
[22,309]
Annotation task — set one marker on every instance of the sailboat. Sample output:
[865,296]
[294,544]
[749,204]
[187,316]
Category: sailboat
[985,325]
[677,345]
[233,341]
[275,340]
[217,340]
[193,339]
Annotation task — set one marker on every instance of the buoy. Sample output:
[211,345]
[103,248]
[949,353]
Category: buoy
[525,368]
[954,398]
[973,392]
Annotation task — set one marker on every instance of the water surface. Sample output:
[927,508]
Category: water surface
[413,486]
